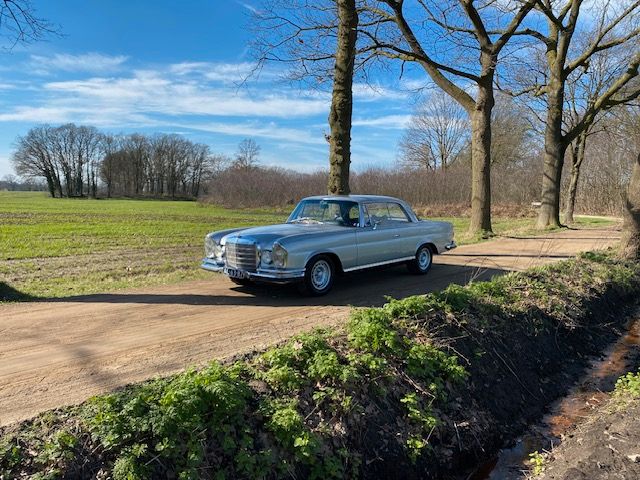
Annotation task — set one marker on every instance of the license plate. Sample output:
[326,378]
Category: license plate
[235,273]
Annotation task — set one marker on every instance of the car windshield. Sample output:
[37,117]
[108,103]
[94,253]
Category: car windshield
[335,212]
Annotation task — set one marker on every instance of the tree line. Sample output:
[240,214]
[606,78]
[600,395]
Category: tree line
[75,160]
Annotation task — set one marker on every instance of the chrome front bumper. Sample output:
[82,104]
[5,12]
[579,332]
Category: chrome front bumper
[450,246]
[262,275]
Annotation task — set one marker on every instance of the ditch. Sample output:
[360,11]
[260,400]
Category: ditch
[565,414]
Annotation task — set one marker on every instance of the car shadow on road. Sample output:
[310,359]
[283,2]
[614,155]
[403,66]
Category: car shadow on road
[367,288]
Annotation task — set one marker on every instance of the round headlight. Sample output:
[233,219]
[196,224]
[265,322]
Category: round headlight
[267,259]
[218,251]
[279,256]
[209,247]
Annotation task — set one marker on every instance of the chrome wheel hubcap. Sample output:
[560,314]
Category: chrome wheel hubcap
[424,259]
[320,275]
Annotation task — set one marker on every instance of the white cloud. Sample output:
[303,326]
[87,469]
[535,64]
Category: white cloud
[87,62]
[386,121]
[37,115]
[264,130]
[249,7]
[371,92]
[153,92]
[223,72]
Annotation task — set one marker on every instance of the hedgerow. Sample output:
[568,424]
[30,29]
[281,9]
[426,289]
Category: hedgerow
[305,408]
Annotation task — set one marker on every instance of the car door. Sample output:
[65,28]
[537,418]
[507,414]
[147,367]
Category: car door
[380,237]
[404,236]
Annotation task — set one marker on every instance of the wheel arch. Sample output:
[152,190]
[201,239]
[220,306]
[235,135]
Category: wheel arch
[337,263]
[431,245]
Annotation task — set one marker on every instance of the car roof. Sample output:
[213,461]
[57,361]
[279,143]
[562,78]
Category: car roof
[356,198]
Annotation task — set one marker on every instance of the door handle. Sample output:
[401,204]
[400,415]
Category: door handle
[396,235]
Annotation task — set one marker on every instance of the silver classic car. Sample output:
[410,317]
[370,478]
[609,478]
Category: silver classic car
[326,236]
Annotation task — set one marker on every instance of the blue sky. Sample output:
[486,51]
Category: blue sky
[166,66]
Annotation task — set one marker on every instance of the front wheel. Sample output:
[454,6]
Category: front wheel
[422,263]
[318,276]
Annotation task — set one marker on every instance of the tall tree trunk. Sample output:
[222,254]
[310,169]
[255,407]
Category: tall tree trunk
[630,240]
[577,157]
[50,185]
[481,162]
[58,185]
[554,151]
[342,100]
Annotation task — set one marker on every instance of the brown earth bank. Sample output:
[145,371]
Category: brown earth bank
[523,340]
[605,447]
[60,352]
[585,399]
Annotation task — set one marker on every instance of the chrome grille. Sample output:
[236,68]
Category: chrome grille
[241,255]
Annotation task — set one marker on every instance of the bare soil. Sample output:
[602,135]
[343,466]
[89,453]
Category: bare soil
[606,447]
[60,352]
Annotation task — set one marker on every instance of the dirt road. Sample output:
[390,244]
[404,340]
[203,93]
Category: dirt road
[61,352]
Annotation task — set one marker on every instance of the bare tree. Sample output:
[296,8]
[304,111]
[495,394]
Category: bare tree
[511,132]
[342,99]
[110,145]
[456,42]
[19,23]
[34,157]
[615,28]
[630,238]
[247,154]
[582,90]
[201,167]
[436,134]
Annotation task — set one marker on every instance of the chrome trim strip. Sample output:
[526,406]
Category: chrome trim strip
[212,266]
[277,275]
[379,264]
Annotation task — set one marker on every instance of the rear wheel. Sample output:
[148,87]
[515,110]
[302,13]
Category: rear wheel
[422,263]
[318,276]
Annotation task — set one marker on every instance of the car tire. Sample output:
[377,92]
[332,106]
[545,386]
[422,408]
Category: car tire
[421,264]
[245,282]
[318,276]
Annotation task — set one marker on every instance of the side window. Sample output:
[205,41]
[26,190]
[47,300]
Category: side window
[377,213]
[354,215]
[397,213]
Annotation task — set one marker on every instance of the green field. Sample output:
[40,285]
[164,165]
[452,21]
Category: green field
[62,247]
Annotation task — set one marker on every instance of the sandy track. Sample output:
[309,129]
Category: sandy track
[61,352]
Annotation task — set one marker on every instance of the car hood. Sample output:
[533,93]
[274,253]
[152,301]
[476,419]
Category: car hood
[268,234]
